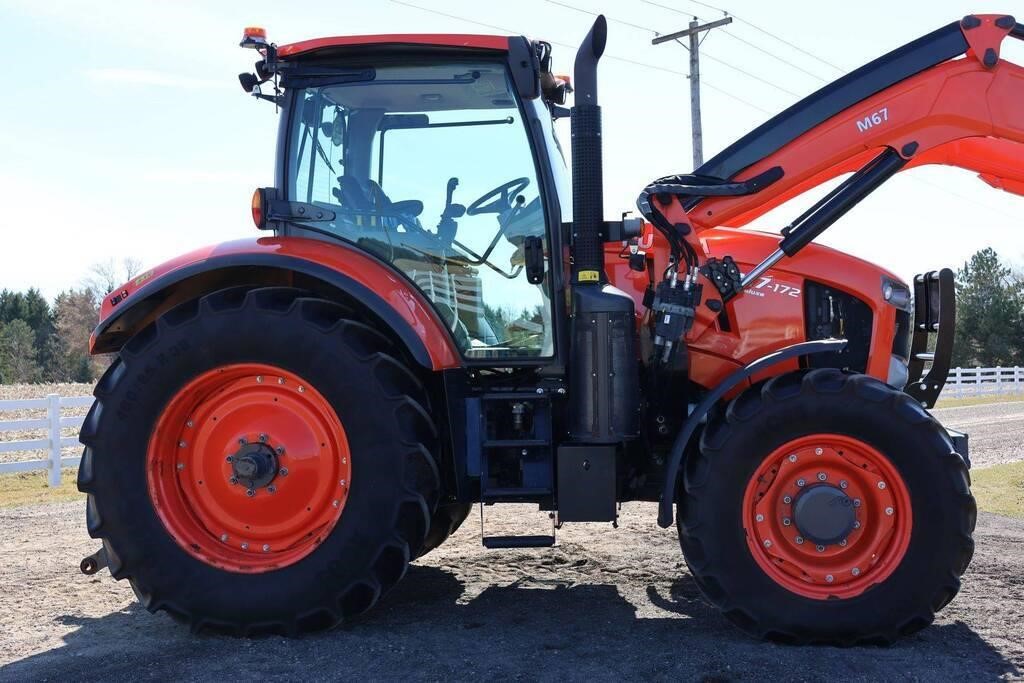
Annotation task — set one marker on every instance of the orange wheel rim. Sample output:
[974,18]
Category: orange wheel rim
[827,516]
[249,468]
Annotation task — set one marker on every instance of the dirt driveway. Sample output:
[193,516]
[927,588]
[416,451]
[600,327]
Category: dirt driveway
[605,604]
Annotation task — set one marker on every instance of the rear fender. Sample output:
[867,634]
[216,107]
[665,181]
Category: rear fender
[332,270]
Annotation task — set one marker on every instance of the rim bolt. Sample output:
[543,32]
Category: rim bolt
[829,578]
[283,471]
[230,458]
[881,484]
[271,489]
[799,540]
[242,441]
[263,438]
[818,451]
[786,521]
[800,482]
[787,500]
[182,444]
[767,543]
[855,571]
[233,480]
[759,518]
[181,465]
[888,511]
[856,502]
[843,484]
[792,458]
[259,378]
[820,548]
[245,546]
[302,389]
[224,538]
[336,503]
[822,476]
[856,525]
[266,548]
[280,450]
[843,542]
[344,483]
[250,492]
[188,424]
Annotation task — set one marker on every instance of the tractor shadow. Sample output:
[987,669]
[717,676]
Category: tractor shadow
[434,626]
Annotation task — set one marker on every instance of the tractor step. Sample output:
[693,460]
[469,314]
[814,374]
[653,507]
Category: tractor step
[498,542]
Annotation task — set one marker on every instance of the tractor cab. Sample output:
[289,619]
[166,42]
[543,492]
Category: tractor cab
[430,158]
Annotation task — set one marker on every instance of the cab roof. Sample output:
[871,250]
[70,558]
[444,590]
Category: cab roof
[449,40]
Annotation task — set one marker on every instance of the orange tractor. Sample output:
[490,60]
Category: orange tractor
[440,316]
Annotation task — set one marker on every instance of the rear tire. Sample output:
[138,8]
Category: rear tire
[753,570]
[446,521]
[386,507]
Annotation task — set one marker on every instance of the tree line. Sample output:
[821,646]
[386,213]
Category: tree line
[42,341]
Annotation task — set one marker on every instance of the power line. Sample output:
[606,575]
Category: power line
[707,56]
[753,26]
[774,56]
[573,47]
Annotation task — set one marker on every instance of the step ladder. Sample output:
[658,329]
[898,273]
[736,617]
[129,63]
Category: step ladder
[527,541]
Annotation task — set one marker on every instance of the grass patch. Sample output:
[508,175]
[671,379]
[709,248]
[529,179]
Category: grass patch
[29,488]
[1000,489]
[978,400]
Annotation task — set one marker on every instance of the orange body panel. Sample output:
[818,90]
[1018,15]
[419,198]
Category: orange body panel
[470,40]
[399,293]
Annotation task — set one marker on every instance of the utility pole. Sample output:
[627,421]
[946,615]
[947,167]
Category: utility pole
[694,32]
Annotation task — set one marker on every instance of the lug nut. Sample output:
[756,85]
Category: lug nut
[271,489]
[856,525]
[250,492]
[888,511]
[800,482]
[881,484]
[787,500]
[263,438]
[855,571]
[233,480]
[829,578]
[820,548]
[767,543]
[843,484]
[242,441]
[843,542]
[856,502]
[792,458]
[759,518]
[822,476]
[283,471]
[786,521]
[799,540]
[230,458]
[280,450]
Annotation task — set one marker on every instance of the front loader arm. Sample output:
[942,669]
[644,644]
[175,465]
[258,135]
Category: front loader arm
[923,101]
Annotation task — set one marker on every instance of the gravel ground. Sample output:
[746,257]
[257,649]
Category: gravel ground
[996,430]
[604,604]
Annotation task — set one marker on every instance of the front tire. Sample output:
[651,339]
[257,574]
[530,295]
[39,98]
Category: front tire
[259,460]
[826,507]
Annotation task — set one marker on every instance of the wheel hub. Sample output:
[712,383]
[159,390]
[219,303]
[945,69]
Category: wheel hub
[824,514]
[254,465]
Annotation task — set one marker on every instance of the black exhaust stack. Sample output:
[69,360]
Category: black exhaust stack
[604,370]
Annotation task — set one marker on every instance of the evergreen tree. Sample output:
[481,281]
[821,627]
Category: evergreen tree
[990,320]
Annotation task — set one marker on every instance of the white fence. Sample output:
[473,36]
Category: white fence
[979,381]
[961,382]
[52,424]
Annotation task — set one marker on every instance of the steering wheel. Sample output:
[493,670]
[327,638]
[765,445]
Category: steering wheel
[499,199]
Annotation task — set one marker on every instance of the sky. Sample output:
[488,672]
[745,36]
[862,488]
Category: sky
[125,132]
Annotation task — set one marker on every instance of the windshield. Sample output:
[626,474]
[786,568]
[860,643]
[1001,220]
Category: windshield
[430,168]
